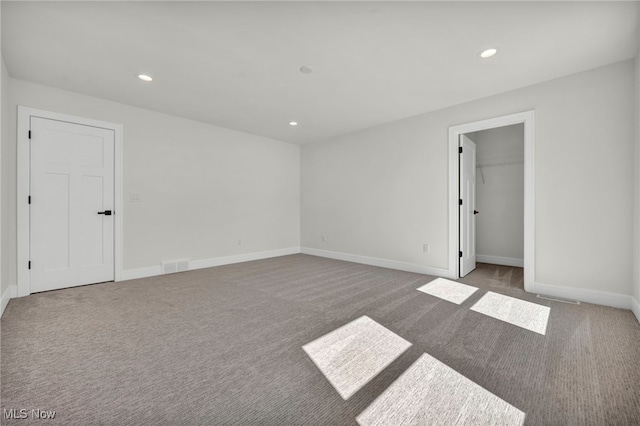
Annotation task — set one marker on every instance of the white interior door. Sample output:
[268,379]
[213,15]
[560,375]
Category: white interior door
[72,194]
[467,205]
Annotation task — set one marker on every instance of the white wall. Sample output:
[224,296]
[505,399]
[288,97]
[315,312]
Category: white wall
[500,195]
[636,217]
[382,192]
[5,249]
[203,187]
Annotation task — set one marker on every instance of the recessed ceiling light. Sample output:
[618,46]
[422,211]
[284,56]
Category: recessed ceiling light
[293,123]
[144,77]
[305,69]
[488,53]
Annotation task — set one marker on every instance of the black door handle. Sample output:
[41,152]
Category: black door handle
[476,212]
[106,213]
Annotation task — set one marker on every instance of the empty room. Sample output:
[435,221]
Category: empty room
[320,213]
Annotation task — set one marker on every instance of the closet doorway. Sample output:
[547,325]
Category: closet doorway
[494,218]
[491,195]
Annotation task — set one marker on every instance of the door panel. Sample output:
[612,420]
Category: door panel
[466,213]
[56,202]
[72,179]
[92,233]
[73,149]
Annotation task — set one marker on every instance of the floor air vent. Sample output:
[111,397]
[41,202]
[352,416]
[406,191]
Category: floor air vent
[173,266]
[557,299]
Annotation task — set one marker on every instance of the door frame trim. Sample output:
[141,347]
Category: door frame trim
[22,190]
[528,119]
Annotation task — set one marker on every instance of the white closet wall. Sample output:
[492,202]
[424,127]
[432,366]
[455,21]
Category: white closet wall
[500,195]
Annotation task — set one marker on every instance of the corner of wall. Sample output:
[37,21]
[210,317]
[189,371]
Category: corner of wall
[10,293]
[636,215]
[4,139]
[8,288]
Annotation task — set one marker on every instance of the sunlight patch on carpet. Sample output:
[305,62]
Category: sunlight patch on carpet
[527,315]
[448,290]
[431,393]
[352,355]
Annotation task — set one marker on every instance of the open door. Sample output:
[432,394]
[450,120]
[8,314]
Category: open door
[467,212]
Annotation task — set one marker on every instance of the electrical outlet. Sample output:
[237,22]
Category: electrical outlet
[324,238]
[425,248]
[239,242]
[134,197]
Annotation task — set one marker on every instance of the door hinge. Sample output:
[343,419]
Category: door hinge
[29,264]
[460,150]
[460,254]
[29,199]
[460,201]
[29,134]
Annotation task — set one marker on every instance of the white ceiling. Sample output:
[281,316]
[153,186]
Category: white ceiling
[236,64]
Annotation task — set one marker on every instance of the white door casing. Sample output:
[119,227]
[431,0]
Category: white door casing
[467,207]
[70,170]
[528,119]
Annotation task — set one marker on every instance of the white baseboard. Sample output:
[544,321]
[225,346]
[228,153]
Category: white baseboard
[150,271]
[374,261]
[498,260]
[247,257]
[635,307]
[10,293]
[133,274]
[605,298]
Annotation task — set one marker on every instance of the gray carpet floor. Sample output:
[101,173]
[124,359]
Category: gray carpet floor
[223,346]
